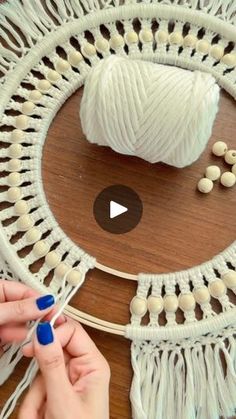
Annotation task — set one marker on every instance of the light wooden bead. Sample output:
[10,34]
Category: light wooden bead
[138,306]
[35,96]
[88,49]
[161,37]
[146,35]
[27,108]
[21,207]
[17,136]
[62,66]
[40,248]
[171,303]
[230,157]
[61,270]
[14,165]
[228,179]
[217,52]
[131,37]
[33,235]
[203,46]
[15,151]
[52,259]
[24,222]
[176,38]
[22,122]
[155,304]
[217,288]
[74,278]
[202,295]
[53,76]
[229,60]
[187,302]
[213,172]
[230,279]
[190,41]
[116,41]
[219,148]
[75,58]
[14,179]
[13,194]
[44,85]
[205,185]
[234,169]
[102,44]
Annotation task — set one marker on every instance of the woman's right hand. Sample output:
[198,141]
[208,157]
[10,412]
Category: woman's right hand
[74,376]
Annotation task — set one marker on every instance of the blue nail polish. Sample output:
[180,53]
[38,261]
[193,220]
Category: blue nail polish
[44,333]
[45,302]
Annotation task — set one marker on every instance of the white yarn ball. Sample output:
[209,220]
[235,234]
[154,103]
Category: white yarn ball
[156,112]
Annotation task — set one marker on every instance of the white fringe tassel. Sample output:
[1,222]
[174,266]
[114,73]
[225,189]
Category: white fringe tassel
[197,381]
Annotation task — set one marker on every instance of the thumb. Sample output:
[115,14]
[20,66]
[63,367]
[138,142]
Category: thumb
[49,354]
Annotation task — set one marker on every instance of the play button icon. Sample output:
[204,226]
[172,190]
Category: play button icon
[118,209]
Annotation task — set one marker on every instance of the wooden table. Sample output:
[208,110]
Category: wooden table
[180,227]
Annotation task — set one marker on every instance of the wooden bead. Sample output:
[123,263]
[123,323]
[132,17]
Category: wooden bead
[202,295]
[171,303]
[21,207]
[219,148]
[116,41]
[213,172]
[17,136]
[229,59]
[102,44]
[234,169]
[217,52]
[75,58]
[53,76]
[15,151]
[13,194]
[138,306]
[203,46]
[14,179]
[146,35]
[44,85]
[61,269]
[217,288]
[155,304]
[131,37]
[35,96]
[229,279]
[33,235]
[24,222]
[187,302]
[40,248]
[230,157]
[176,38]
[52,259]
[228,179]
[22,122]
[74,278]
[205,185]
[14,165]
[162,36]
[27,108]
[190,41]
[88,49]
[62,66]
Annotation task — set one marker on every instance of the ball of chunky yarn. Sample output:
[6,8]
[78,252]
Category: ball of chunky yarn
[156,112]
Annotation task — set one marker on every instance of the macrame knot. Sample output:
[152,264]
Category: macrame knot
[153,111]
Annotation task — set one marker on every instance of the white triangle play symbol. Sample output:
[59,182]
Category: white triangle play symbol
[116,209]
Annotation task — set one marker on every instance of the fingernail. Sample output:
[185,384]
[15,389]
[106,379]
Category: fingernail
[44,333]
[45,301]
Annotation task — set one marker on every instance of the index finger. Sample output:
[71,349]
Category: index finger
[13,291]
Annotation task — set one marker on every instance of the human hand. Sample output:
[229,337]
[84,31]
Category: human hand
[74,376]
[18,305]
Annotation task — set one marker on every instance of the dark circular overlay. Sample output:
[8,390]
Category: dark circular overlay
[120,195]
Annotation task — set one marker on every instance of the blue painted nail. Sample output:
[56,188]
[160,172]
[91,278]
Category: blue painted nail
[44,333]
[45,302]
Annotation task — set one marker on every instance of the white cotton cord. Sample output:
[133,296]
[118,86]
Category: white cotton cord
[156,112]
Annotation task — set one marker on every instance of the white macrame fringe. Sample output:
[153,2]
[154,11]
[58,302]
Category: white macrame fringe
[184,381]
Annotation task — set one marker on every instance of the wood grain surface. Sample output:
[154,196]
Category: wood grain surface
[180,227]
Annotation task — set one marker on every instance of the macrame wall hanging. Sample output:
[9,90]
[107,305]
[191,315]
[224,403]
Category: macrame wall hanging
[178,368]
